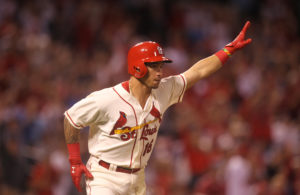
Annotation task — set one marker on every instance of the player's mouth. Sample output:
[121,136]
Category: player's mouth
[157,80]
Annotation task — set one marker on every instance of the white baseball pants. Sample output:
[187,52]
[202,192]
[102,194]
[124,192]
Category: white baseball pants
[110,182]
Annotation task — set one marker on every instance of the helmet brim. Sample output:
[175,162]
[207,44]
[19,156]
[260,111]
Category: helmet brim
[158,59]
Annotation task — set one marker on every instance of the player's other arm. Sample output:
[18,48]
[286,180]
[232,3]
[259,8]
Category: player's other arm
[72,136]
[212,63]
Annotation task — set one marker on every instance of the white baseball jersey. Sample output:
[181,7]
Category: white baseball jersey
[121,131]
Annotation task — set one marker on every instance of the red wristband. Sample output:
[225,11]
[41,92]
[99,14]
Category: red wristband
[223,55]
[74,150]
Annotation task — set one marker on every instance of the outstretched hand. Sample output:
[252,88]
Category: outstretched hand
[239,41]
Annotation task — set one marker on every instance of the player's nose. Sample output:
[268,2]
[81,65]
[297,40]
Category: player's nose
[159,72]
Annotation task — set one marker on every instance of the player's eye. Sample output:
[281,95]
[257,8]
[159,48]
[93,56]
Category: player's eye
[154,64]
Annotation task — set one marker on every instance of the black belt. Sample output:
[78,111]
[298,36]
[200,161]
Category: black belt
[118,169]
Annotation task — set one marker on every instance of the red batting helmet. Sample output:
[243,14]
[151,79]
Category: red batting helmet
[140,53]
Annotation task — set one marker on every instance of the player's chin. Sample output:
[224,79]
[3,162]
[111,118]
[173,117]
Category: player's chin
[155,87]
[155,84]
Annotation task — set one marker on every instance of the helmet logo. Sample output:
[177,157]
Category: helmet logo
[160,51]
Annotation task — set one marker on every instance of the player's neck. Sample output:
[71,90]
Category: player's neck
[139,90]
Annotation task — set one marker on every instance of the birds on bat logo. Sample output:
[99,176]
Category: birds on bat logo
[154,112]
[120,122]
[131,131]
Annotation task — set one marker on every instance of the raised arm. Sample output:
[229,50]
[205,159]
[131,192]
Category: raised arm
[77,168]
[212,63]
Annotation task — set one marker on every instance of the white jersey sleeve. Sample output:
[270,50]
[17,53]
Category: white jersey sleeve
[86,111]
[171,90]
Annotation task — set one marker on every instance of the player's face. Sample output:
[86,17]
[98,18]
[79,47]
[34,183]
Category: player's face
[154,75]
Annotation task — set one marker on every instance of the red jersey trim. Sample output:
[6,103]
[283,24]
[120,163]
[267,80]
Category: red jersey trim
[182,89]
[78,126]
[125,85]
[135,122]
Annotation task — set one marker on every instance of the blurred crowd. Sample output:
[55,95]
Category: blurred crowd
[236,132]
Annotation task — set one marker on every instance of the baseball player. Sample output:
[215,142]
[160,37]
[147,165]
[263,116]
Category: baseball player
[124,119]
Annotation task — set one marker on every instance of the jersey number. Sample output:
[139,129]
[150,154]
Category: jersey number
[148,147]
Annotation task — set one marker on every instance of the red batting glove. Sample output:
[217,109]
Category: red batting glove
[235,45]
[77,167]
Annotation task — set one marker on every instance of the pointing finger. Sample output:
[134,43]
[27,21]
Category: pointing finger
[246,26]
[247,41]
[243,43]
